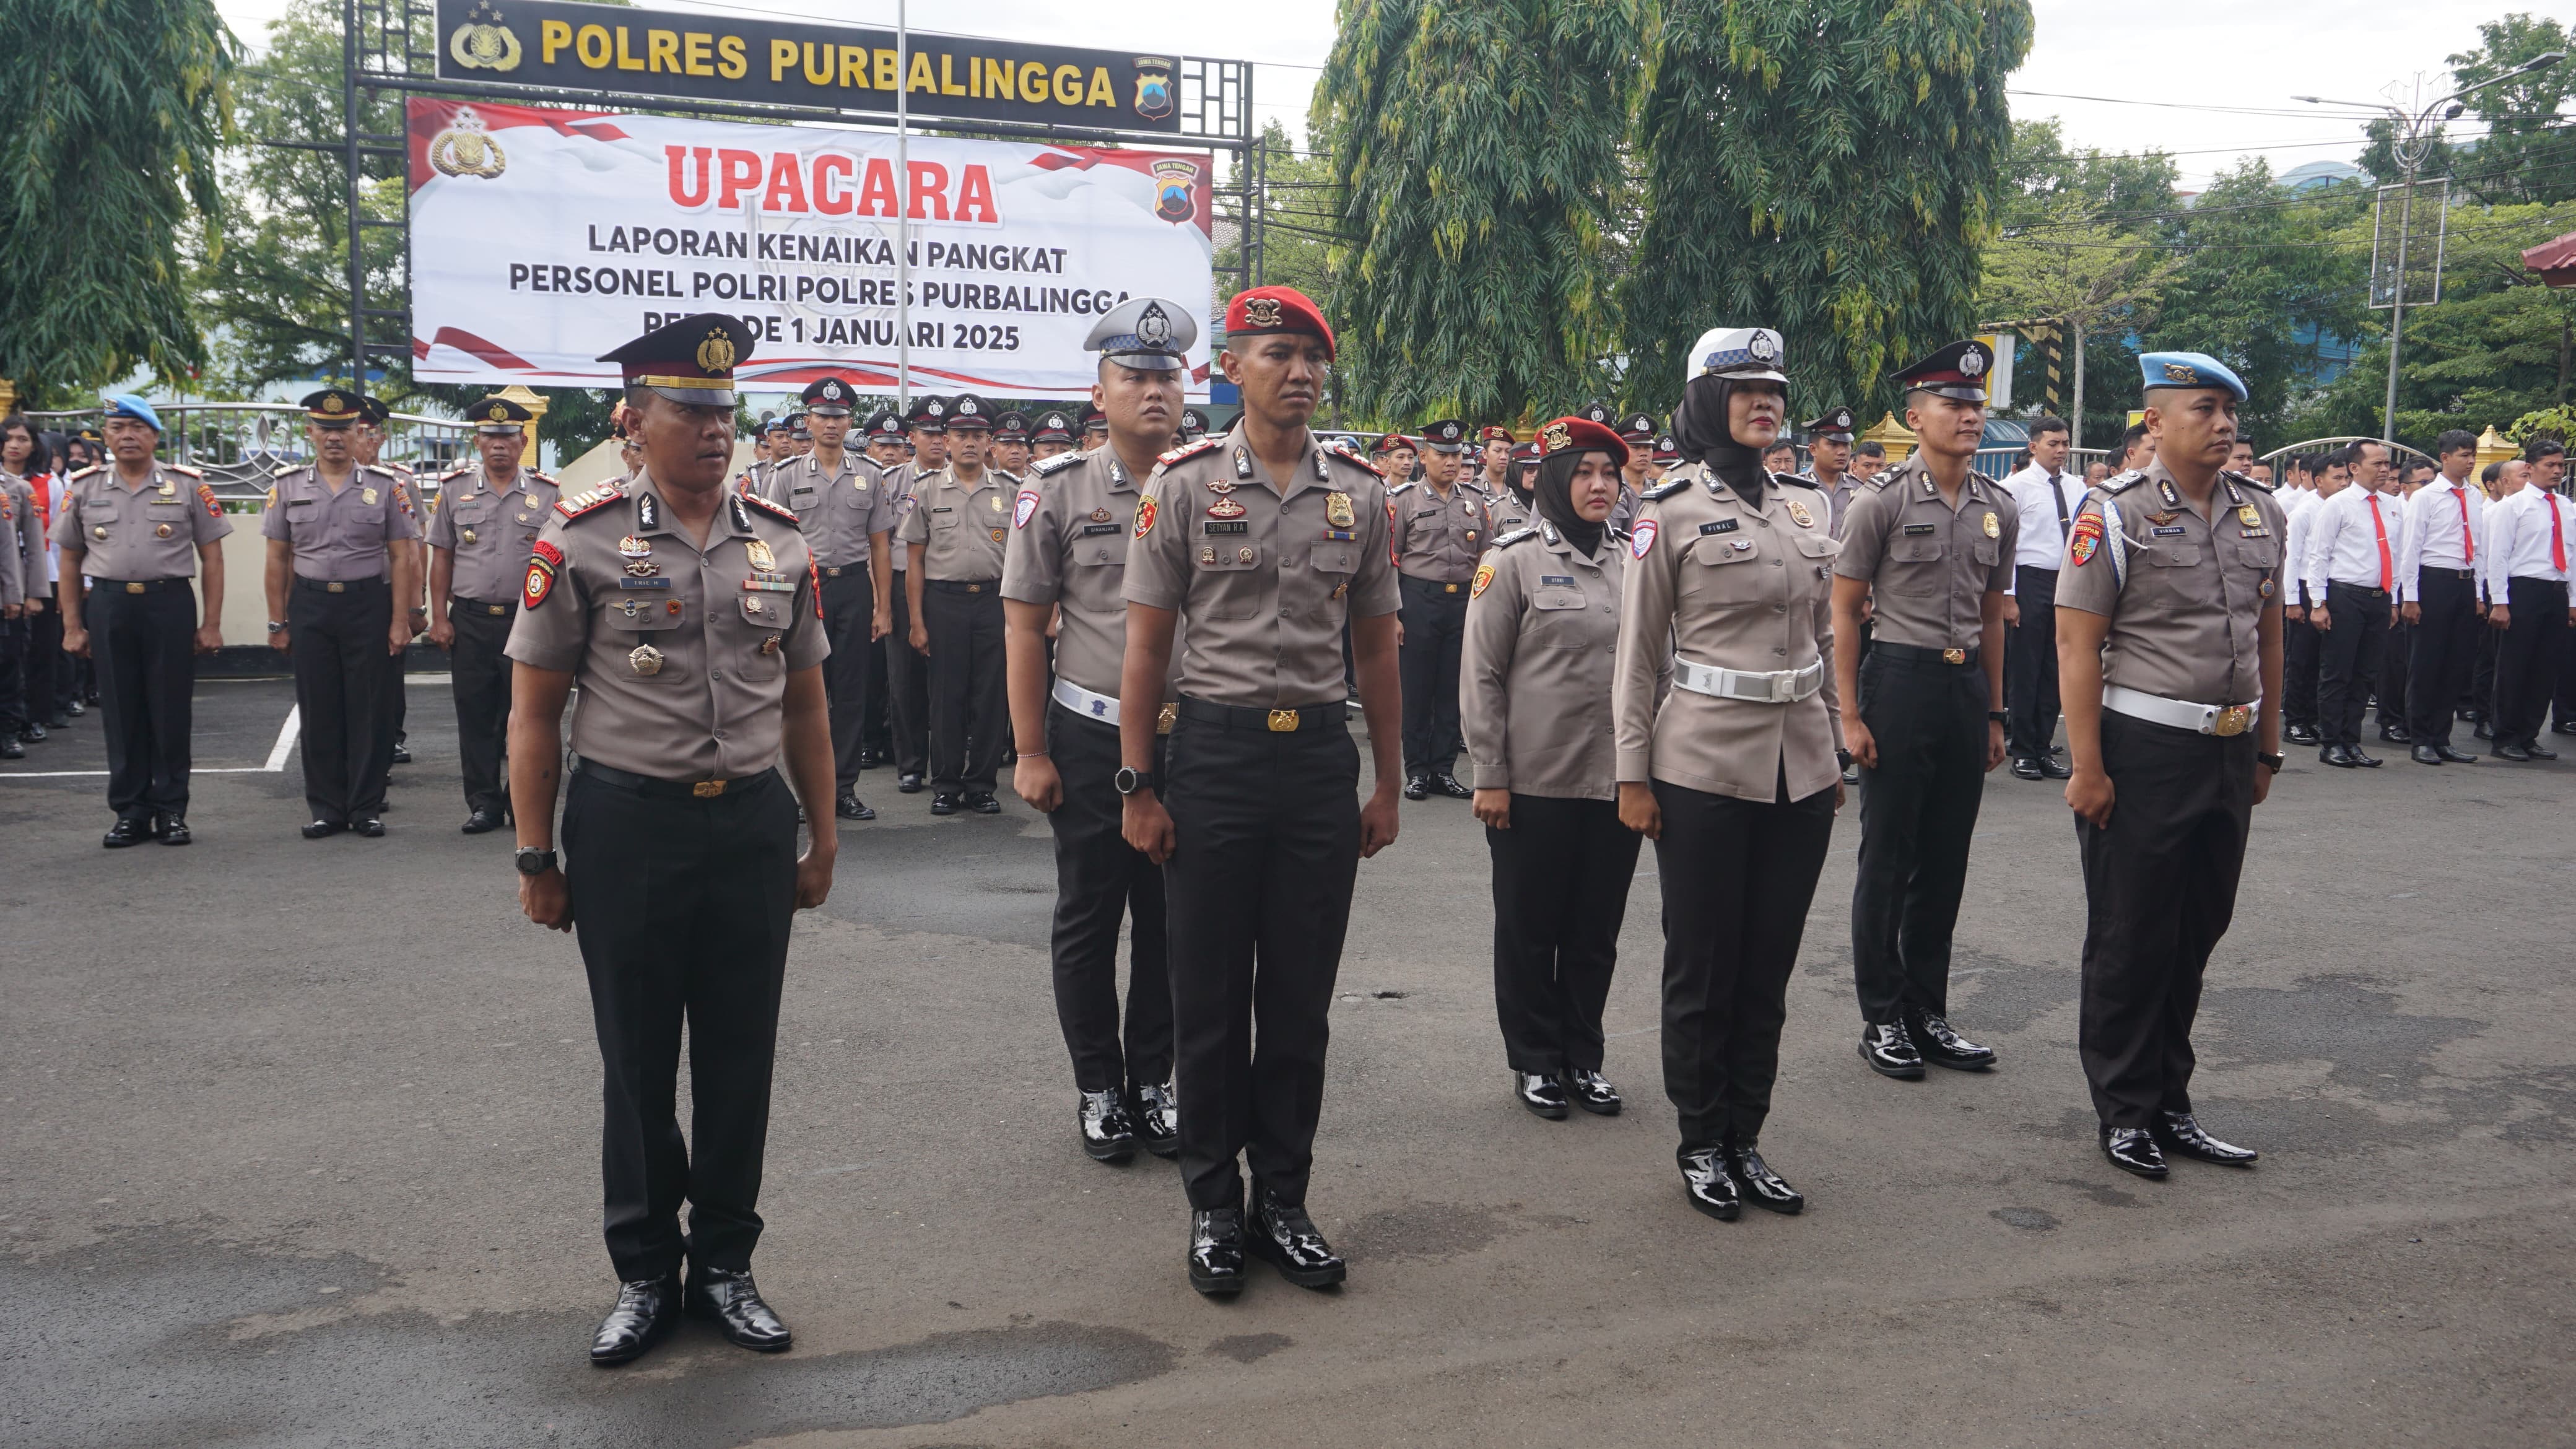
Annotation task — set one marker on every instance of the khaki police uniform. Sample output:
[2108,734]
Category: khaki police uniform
[393,715]
[1926,699]
[138,550]
[905,681]
[1262,785]
[340,617]
[961,527]
[487,529]
[1437,542]
[839,512]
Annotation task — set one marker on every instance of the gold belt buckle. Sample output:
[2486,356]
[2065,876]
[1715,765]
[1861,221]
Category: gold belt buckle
[1448,588]
[497,609]
[335,587]
[1954,656]
[974,588]
[1283,721]
[2233,720]
[707,789]
[831,573]
[1163,720]
[134,588]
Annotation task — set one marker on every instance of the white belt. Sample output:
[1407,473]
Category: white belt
[2182,714]
[1101,707]
[1775,686]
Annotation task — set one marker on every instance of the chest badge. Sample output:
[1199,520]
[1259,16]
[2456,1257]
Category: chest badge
[770,645]
[1994,526]
[1244,555]
[2249,515]
[638,555]
[1207,555]
[1100,515]
[1225,508]
[645,659]
[367,496]
[466,534]
[757,551]
[161,532]
[1337,511]
[2163,518]
[998,533]
[1798,513]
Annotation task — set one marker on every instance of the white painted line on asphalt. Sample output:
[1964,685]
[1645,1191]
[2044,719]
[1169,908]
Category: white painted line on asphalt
[285,739]
[277,754]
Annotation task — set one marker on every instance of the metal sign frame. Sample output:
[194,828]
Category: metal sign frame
[2390,268]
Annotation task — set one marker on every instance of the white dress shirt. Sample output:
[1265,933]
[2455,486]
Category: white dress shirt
[2517,538]
[2042,544]
[2343,540]
[2294,501]
[2436,537]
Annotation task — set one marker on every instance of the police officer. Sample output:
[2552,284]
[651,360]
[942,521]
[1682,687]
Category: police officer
[1542,617]
[1067,556]
[1511,504]
[1736,777]
[1494,464]
[891,453]
[393,719]
[482,525]
[339,555]
[1441,527]
[1930,545]
[1054,435]
[134,530]
[1260,541]
[841,502]
[688,614]
[1829,458]
[1010,451]
[908,673]
[1095,426]
[2169,643]
[1194,424]
[1396,457]
[961,516]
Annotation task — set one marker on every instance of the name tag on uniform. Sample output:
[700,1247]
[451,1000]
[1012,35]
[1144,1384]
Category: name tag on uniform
[663,583]
[1723,525]
[1231,525]
[1556,581]
[802,490]
[1089,529]
[1426,513]
[2175,531]
[943,508]
[1922,527]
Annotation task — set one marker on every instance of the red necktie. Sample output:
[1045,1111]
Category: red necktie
[2557,535]
[2468,540]
[2387,570]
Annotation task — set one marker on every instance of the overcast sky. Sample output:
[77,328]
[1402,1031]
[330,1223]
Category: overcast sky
[2249,55]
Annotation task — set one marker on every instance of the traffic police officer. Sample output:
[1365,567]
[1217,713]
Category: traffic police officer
[1736,776]
[134,530]
[1260,541]
[1542,617]
[1929,544]
[841,502]
[339,555]
[1441,527]
[2169,644]
[1067,556]
[482,525]
[688,613]
[961,516]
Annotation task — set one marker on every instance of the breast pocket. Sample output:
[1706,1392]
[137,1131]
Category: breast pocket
[767,617]
[1986,553]
[1915,565]
[1725,574]
[1558,618]
[2171,555]
[804,501]
[1092,553]
[2262,556]
[1228,585]
[1816,554]
[168,517]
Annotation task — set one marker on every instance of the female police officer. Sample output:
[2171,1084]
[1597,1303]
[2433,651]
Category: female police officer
[1542,616]
[1735,777]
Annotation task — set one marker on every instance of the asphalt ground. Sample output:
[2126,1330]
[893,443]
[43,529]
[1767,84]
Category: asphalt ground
[302,1150]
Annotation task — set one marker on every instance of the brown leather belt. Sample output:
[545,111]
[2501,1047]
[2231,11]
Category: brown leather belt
[646,785]
[1276,721]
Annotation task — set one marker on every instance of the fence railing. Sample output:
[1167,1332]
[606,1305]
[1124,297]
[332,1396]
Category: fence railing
[241,446]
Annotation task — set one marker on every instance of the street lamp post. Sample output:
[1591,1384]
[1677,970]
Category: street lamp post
[2415,132]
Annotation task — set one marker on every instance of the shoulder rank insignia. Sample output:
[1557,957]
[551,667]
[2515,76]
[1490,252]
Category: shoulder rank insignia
[545,478]
[1472,486]
[774,510]
[2241,481]
[1047,467]
[1801,479]
[1883,479]
[455,473]
[590,501]
[1515,536]
[1189,450]
[1343,452]
[1668,487]
[94,467]
[182,471]
[1399,490]
[2123,482]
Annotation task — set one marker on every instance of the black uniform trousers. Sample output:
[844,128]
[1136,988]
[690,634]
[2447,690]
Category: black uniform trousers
[1561,878]
[1259,895]
[394,710]
[1101,880]
[682,909]
[144,646]
[2030,666]
[907,690]
[969,707]
[1737,876]
[13,678]
[2445,650]
[2348,658]
[1435,630]
[849,611]
[337,643]
[2159,891]
[1918,810]
[480,673]
[2300,649]
[2482,680]
[2563,705]
[2396,666]
[2529,657]
[44,666]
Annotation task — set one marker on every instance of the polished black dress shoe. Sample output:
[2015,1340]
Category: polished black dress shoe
[732,1302]
[172,830]
[2453,754]
[983,804]
[1591,1091]
[481,822]
[2026,768]
[646,1310]
[1282,1233]
[2180,1132]
[2362,761]
[1417,787]
[402,754]
[1448,785]
[2563,727]
[128,830]
[368,826]
[2299,734]
[1540,1092]
[2472,714]
[2056,769]
[868,760]
[1890,1052]
[2515,753]
[2133,1149]
[1942,1046]
[943,803]
[2396,734]
[1709,1187]
[2485,730]
[2425,755]
[1216,1251]
[33,734]
[320,828]
[907,784]
[850,807]
[2342,757]
[1157,1115]
[10,749]
[1757,1183]
[75,709]
[1107,1134]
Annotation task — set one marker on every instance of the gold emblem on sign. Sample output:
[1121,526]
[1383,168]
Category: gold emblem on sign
[646,659]
[757,550]
[482,42]
[1994,527]
[1337,510]
[716,353]
[464,150]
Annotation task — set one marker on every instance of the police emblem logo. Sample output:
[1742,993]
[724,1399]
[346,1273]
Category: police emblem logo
[632,547]
[1555,438]
[1484,576]
[499,413]
[1025,506]
[1244,555]
[1144,516]
[1154,100]
[2181,372]
[998,534]
[2249,515]
[1153,325]
[331,403]
[543,560]
[1764,346]
[367,496]
[466,534]
[1643,540]
[1994,527]
[2086,540]
[966,407]
[1798,512]
[1338,511]
[1971,363]
[757,552]
[1176,190]
[645,659]
[831,389]
[1261,311]
[482,42]
[934,408]
[716,353]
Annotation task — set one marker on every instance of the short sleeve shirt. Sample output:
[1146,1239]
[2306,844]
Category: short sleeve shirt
[488,531]
[2188,589]
[150,532]
[838,511]
[1439,539]
[961,527]
[1929,565]
[339,535]
[1068,547]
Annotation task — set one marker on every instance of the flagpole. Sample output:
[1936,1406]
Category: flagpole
[902,209]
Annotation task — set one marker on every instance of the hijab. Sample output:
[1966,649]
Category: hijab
[1555,500]
[1701,430]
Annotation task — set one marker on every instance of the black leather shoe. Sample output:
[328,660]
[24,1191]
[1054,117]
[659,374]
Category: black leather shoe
[2026,768]
[2472,714]
[2180,1132]
[2334,755]
[173,830]
[646,1310]
[732,1302]
[1282,1233]
[1539,1092]
[2485,730]
[868,760]
[907,784]
[2299,734]
[1448,785]
[1757,1183]
[1890,1052]
[2539,751]
[2366,762]
[849,807]
[33,734]
[1591,1091]
[368,826]
[2133,1149]
[1157,1115]
[2425,755]
[943,803]
[1942,1046]
[2396,734]
[1418,787]
[71,711]
[2515,753]
[128,830]
[2453,754]
[1216,1251]
[983,804]
[1708,1186]
[1107,1135]
[481,822]
[2056,769]
[402,755]
[10,749]
[321,828]
[2563,727]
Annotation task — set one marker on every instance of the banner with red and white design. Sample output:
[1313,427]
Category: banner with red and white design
[541,238]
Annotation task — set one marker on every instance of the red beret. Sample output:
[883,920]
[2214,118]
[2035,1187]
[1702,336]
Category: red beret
[1267,310]
[1579,434]
[1493,433]
[1392,441]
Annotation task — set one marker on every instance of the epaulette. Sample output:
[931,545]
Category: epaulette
[2241,481]
[542,478]
[185,472]
[2123,482]
[455,473]
[1884,477]
[1665,489]
[589,501]
[1515,536]
[774,510]
[1472,486]
[1049,467]
[1188,450]
[85,472]
[1343,452]
[1801,479]
[1618,533]
[280,473]
[1400,489]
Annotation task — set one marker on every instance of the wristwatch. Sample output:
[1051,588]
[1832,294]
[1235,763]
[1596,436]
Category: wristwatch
[1996,715]
[2274,762]
[277,626]
[535,860]
[1843,758]
[1130,781]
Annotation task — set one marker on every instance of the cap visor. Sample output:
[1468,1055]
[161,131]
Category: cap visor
[705,397]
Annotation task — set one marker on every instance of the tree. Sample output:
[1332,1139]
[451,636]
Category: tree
[1476,153]
[2073,267]
[2526,155]
[110,113]
[1830,168]
[1299,209]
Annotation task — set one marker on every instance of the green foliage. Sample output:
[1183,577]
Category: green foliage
[1830,168]
[110,113]
[1299,209]
[2557,424]
[2044,181]
[2523,157]
[1476,166]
